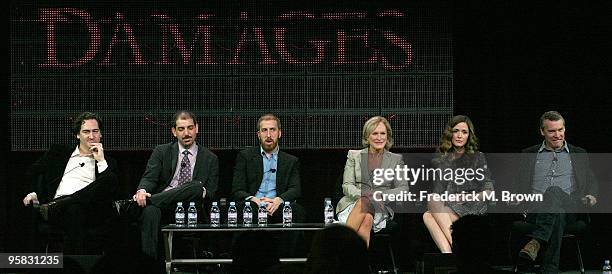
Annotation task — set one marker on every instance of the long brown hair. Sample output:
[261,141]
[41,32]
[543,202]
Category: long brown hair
[446,140]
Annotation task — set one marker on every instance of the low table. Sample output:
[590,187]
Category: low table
[169,231]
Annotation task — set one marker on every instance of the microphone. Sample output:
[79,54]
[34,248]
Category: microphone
[81,164]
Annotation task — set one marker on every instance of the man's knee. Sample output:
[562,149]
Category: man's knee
[194,188]
[150,213]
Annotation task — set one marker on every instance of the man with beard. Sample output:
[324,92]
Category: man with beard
[264,174]
[73,183]
[182,171]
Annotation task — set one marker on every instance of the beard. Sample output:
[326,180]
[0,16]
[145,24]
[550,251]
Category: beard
[269,147]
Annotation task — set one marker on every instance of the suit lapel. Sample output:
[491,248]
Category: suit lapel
[365,175]
[281,166]
[199,159]
[386,161]
[173,158]
[257,165]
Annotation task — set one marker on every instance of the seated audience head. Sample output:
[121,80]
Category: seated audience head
[338,249]
[471,242]
[254,252]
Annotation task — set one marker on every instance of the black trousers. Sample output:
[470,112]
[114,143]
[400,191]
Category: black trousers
[550,219]
[83,218]
[160,209]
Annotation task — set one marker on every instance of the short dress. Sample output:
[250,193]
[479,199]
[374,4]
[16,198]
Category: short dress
[467,160]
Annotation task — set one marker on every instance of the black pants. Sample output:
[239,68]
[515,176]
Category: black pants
[160,209]
[550,220]
[83,218]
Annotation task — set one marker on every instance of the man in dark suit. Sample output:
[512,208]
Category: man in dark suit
[264,174]
[562,173]
[181,171]
[72,184]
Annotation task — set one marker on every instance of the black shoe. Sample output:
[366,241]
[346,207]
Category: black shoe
[53,208]
[126,207]
[44,211]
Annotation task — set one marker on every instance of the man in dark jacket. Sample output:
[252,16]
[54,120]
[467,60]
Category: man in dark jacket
[73,184]
[562,173]
[182,171]
[265,174]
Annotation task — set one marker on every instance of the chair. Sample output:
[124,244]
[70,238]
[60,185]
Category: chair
[573,231]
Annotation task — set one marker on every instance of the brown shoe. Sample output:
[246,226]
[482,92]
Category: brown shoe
[530,250]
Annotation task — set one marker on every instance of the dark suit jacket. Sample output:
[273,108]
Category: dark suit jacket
[47,172]
[584,178]
[162,166]
[248,174]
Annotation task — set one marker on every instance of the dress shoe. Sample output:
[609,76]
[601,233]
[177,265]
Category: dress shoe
[44,211]
[126,207]
[53,208]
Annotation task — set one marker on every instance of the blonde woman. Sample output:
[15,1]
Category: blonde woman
[357,209]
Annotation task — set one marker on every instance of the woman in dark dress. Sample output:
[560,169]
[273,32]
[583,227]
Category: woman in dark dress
[458,150]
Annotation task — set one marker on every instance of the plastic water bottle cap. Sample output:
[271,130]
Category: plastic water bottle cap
[214,203]
[287,203]
[232,203]
[179,203]
[607,262]
[191,203]
[247,203]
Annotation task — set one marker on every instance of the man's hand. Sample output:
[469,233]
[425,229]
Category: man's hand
[256,200]
[30,198]
[141,197]
[97,151]
[273,204]
[589,200]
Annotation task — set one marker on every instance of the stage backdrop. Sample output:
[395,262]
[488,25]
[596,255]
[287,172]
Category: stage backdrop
[324,68]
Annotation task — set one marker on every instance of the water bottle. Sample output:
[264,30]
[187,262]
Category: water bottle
[607,269]
[215,213]
[192,214]
[262,215]
[179,214]
[328,212]
[287,214]
[232,215]
[247,214]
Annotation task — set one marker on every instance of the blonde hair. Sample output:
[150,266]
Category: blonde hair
[370,125]
[267,117]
